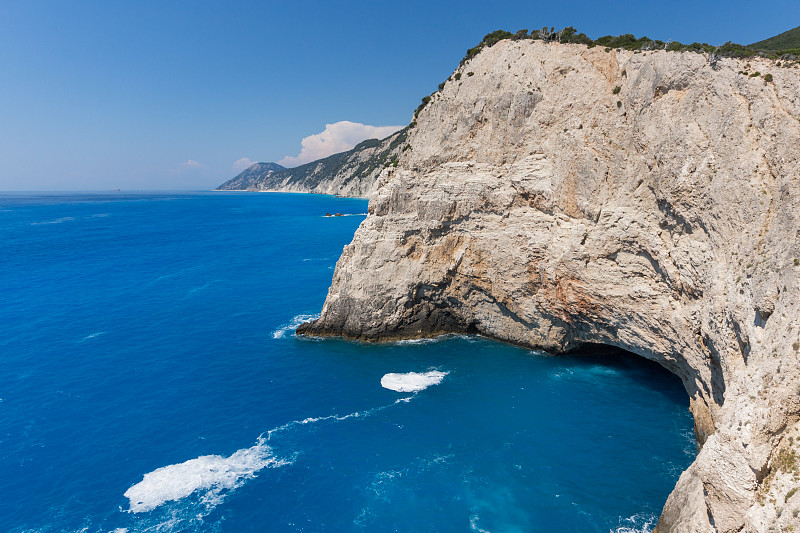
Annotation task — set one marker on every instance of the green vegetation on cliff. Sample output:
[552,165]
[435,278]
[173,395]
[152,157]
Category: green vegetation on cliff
[785,44]
[787,40]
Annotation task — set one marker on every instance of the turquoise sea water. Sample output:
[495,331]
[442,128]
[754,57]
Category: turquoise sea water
[150,381]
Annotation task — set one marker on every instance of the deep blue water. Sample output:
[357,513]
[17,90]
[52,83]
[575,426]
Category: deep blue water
[143,331]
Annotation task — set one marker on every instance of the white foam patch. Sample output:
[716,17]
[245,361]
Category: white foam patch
[473,524]
[210,473]
[636,524]
[412,381]
[288,329]
[212,476]
[93,335]
[438,338]
[56,221]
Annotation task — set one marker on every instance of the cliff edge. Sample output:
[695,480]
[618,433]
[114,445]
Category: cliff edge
[556,194]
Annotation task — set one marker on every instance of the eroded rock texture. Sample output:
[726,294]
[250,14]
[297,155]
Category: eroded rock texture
[539,206]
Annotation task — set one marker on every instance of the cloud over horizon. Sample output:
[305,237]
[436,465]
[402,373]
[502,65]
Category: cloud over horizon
[192,164]
[337,137]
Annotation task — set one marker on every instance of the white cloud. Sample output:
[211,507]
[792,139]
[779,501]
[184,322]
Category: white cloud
[242,163]
[337,137]
[192,164]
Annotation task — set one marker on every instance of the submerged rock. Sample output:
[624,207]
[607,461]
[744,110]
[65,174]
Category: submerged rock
[541,206]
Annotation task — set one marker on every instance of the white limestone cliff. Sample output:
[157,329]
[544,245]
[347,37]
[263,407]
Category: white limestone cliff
[539,206]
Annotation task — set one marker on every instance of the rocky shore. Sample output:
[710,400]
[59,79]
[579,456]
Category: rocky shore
[554,195]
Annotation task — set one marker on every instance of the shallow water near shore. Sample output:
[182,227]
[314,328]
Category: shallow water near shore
[150,380]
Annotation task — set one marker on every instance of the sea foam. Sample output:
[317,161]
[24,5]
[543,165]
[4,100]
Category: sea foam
[215,474]
[638,523]
[93,335]
[56,221]
[210,473]
[412,381]
[289,328]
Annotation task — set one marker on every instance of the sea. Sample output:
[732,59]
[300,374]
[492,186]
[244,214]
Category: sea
[151,381]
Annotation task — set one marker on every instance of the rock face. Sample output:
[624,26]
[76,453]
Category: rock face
[249,178]
[352,173]
[540,205]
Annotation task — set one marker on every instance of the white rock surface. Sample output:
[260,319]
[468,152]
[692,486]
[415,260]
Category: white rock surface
[534,208]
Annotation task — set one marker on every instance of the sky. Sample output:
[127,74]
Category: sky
[145,95]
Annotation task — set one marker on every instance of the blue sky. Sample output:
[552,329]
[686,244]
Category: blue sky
[105,95]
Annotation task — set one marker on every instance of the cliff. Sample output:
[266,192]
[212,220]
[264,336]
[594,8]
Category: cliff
[251,176]
[555,194]
[352,173]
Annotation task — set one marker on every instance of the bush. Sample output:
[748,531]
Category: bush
[489,40]
[457,76]
[768,78]
[496,36]
[626,41]
[425,101]
[470,73]
[617,89]
[619,104]
[521,34]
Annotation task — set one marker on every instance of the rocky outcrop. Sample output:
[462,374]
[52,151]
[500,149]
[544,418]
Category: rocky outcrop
[250,178]
[352,173]
[556,194]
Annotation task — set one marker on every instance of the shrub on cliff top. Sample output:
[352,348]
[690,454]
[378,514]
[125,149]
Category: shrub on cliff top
[626,41]
[489,40]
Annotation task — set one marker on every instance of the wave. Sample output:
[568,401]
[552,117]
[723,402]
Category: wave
[69,219]
[197,289]
[213,474]
[637,523]
[438,338]
[93,335]
[412,381]
[56,221]
[282,331]
[473,524]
